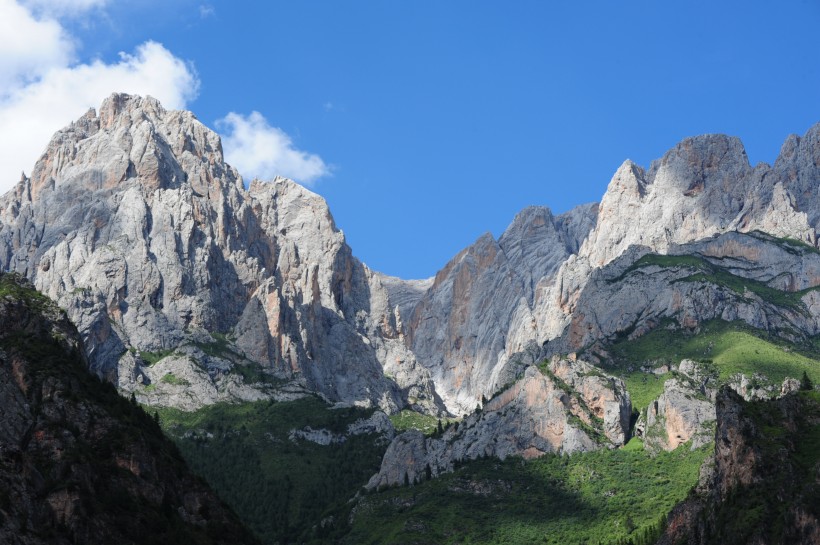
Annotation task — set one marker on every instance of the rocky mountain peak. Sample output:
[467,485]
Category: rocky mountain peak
[698,159]
[134,140]
[136,225]
[134,222]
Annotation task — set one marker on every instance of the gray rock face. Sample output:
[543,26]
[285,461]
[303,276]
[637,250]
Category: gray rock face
[702,187]
[766,282]
[189,289]
[567,407]
[681,414]
[460,328]
[496,297]
[134,223]
[378,423]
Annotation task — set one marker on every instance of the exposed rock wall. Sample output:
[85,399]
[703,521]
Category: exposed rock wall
[566,407]
[134,223]
[495,297]
[729,277]
[132,220]
[476,314]
[680,415]
[702,187]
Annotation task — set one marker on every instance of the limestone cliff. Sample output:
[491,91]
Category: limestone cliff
[476,314]
[702,187]
[498,298]
[134,223]
[767,282]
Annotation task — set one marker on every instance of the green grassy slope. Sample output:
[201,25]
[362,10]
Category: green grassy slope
[584,498]
[730,347]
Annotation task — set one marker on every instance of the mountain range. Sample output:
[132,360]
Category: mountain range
[189,289]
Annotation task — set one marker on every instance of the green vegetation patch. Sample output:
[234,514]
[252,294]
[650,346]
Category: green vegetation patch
[594,497]
[281,488]
[733,347]
[704,271]
[669,261]
[790,244]
[412,420]
[220,347]
[740,285]
[252,373]
[153,357]
[170,378]
[633,445]
[16,286]
[644,388]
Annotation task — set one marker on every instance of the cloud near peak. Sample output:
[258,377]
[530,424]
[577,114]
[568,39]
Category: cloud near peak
[259,150]
[43,88]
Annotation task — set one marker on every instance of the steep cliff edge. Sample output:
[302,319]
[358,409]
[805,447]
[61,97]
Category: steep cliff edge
[134,223]
[764,486]
[499,298]
[79,463]
[476,314]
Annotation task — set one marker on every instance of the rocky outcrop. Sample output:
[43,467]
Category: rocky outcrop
[766,282]
[460,328]
[134,223]
[378,424]
[680,415]
[79,463]
[564,407]
[533,284]
[764,485]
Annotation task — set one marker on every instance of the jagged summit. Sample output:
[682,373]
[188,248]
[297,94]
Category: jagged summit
[134,140]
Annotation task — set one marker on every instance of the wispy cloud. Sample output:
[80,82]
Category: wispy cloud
[43,88]
[259,150]
[206,10]
[63,8]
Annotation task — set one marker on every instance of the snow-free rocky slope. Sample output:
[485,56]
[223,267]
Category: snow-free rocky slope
[492,300]
[187,288]
[134,223]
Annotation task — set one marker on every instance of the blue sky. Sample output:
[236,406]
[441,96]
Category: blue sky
[425,124]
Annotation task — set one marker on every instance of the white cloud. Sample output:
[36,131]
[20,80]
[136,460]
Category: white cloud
[42,95]
[43,88]
[259,150]
[63,8]
[29,46]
